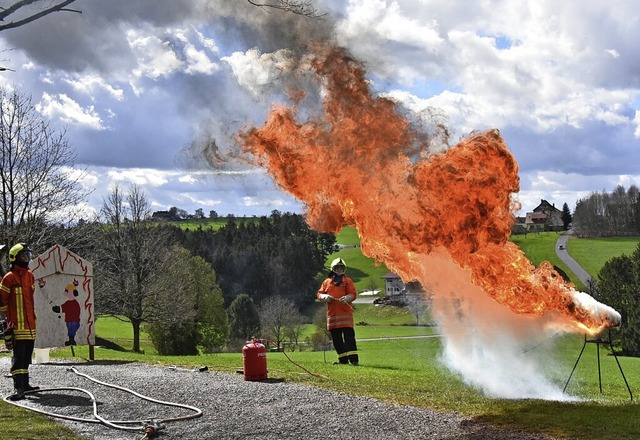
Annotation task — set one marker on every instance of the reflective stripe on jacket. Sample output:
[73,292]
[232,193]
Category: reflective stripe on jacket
[339,315]
[16,291]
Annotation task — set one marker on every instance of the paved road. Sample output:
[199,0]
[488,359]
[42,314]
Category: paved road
[561,252]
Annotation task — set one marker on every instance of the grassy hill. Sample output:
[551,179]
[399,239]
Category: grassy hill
[365,272]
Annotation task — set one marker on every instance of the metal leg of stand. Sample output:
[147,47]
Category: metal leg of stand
[598,342]
[620,368]
[575,365]
[599,371]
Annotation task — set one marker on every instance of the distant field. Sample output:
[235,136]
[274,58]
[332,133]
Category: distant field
[209,223]
[592,253]
[540,247]
[365,272]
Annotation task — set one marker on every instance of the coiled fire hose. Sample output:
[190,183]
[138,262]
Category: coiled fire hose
[148,427]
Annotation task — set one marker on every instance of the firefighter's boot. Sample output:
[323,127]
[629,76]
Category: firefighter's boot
[18,384]
[28,386]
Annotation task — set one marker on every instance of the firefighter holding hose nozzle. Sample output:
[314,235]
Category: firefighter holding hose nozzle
[16,295]
[338,291]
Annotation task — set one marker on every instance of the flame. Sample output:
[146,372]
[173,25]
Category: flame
[362,163]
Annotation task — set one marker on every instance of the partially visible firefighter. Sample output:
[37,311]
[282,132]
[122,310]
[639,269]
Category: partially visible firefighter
[338,291]
[17,304]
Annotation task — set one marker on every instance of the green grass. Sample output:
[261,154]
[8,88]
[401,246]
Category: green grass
[365,272]
[208,223]
[592,253]
[17,423]
[541,247]
[409,372]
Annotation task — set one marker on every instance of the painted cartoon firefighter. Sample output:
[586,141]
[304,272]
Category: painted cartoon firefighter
[71,311]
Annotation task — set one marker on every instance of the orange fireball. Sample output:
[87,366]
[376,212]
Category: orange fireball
[362,163]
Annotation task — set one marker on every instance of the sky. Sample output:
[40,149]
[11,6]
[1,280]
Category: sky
[153,92]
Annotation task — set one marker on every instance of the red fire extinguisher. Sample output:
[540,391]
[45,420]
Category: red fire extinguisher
[254,360]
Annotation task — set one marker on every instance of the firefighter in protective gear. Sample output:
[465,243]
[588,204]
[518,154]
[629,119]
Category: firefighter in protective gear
[338,291]
[17,303]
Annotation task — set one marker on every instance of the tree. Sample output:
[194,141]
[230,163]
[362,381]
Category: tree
[417,306]
[187,306]
[619,287]
[607,215]
[24,15]
[19,13]
[128,257]
[38,189]
[244,320]
[278,315]
[321,338]
[294,330]
[301,7]
[257,258]
[566,216]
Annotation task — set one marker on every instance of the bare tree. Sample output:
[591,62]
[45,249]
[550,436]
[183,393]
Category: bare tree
[298,7]
[294,330]
[38,189]
[128,258]
[417,305]
[277,316]
[23,12]
[26,11]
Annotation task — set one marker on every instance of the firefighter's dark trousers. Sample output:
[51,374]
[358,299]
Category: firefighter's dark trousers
[344,341]
[22,352]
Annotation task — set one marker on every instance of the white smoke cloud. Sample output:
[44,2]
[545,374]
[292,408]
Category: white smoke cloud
[491,347]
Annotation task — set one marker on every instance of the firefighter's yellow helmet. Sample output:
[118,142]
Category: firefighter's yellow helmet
[338,262]
[17,249]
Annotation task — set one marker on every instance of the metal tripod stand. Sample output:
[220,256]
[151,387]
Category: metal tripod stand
[600,340]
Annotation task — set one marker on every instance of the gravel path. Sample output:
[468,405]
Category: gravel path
[233,408]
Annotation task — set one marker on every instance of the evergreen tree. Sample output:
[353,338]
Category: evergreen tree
[244,320]
[566,216]
[277,255]
[619,287]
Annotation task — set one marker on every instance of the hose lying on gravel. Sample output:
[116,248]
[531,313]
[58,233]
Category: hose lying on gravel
[147,426]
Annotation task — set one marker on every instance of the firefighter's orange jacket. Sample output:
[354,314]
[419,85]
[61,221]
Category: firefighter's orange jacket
[16,291]
[339,315]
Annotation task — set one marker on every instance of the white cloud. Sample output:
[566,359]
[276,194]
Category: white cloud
[91,84]
[69,111]
[197,61]
[138,176]
[155,56]
[253,202]
[254,70]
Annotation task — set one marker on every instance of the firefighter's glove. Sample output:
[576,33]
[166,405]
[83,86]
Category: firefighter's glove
[8,339]
[325,297]
[56,309]
[346,299]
